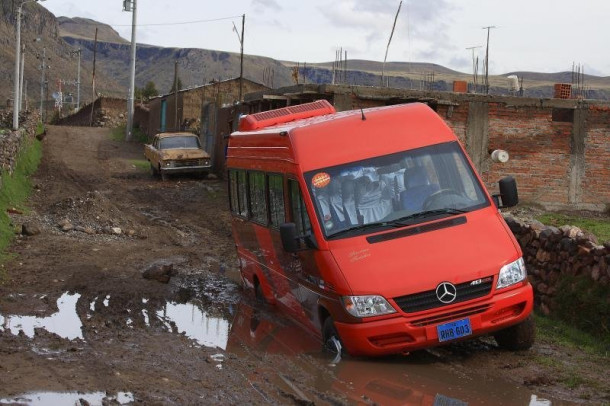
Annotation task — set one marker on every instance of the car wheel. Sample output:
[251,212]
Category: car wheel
[153,171]
[330,336]
[258,293]
[164,176]
[518,337]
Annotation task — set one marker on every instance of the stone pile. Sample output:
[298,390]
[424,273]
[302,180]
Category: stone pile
[550,253]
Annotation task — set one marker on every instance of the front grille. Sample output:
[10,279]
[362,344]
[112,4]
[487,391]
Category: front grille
[428,300]
[186,163]
[445,317]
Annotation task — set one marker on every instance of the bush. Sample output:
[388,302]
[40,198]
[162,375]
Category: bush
[584,303]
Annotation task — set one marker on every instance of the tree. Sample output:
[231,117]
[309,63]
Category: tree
[149,91]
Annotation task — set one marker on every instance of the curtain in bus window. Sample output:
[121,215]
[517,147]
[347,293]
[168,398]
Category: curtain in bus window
[276,200]
[242,193]
[234,200]
[258,198]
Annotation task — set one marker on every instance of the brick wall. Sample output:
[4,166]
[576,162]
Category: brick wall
[543,141]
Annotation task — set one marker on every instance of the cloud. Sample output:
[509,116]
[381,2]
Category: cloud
[421,25]
[263,5]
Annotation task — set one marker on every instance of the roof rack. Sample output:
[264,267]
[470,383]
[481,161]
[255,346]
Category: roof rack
[284,115]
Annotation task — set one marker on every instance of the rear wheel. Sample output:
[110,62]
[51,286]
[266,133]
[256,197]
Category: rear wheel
[258,293]
[518,337]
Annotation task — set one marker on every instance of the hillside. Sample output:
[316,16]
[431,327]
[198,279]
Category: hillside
[60,36]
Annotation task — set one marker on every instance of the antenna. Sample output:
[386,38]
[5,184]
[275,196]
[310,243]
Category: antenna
[362,112]
[487,59]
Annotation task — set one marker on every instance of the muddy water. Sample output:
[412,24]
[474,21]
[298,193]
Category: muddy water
[238,328]
[68,398]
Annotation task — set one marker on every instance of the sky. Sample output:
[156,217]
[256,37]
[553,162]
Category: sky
[530,35]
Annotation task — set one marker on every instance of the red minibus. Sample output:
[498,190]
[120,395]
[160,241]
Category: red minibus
[371,229]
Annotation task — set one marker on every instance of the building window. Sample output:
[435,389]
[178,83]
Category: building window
[242,193]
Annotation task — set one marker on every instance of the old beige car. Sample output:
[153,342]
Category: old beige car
[171,153]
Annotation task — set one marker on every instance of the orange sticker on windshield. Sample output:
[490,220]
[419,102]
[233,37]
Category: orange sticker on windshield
[320,180]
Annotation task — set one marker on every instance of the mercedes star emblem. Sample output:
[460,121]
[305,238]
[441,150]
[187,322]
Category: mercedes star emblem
[446,292]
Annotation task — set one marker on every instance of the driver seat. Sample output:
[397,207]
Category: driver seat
[417,189]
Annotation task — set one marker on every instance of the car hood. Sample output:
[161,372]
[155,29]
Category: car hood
[184,153]
[475,246]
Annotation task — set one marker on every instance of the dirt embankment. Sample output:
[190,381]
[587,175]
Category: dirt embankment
[78,320]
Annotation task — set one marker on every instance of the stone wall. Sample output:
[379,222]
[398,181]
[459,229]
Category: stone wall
[11,141]
[107,112]
[565,265]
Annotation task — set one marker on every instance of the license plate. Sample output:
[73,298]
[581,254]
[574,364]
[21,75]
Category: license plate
[453,330]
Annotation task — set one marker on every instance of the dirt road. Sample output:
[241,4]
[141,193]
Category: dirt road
[78,320]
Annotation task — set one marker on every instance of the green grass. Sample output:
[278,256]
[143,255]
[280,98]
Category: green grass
[599,227]
[557,332]
[15,189]
[141,164]
[118,134]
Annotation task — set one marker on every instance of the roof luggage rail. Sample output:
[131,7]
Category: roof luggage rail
[285,115]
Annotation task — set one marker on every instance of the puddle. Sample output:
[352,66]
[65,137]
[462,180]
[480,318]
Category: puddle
[196,324]
[412,380]
[68,398]
[65,323]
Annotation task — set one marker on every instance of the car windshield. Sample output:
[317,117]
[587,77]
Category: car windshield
[179,142]
[394,190]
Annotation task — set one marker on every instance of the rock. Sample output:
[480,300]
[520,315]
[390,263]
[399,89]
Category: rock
[595,272]
[537,226]
[89,230]
[30,229]
[83,402]
[159,272]
[116,231]
[65,225]
[131,233]
[80,229]
[574,232]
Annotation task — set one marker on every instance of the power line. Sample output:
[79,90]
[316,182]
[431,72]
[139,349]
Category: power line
[179,23]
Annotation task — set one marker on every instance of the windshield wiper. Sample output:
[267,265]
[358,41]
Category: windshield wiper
[363,227]
[400,222]
[428,213]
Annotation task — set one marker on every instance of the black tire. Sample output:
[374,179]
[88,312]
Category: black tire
[164,175]
[518,337]
[331,338]
[258,293]
[153,171]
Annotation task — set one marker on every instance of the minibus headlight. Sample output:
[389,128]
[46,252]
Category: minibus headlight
[367,306]
[511,273]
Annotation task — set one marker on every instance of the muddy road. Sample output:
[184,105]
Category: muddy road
[79,323]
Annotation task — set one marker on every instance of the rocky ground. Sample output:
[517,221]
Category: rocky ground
[80,322]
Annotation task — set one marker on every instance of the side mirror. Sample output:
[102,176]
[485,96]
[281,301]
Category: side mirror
[508,193]
[288,235]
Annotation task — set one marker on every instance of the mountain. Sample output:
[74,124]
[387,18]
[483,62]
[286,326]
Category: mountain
[61,36]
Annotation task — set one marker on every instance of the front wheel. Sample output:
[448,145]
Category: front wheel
[330,336]
[518,337]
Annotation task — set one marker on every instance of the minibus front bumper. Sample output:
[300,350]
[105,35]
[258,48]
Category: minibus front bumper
[407,333]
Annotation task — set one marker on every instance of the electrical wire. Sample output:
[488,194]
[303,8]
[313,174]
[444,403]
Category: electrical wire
[179,23]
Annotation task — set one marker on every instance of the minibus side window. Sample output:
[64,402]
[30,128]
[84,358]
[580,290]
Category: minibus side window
[233,194]
[276,200]
[242,193]
[258,197]
[298,210]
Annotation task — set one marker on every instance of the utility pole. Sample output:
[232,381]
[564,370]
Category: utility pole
[241,58]
[130,5]
[93,78]
[43,68]
[390,40]
[487,59]
[176,126]
[475,67]
[78,51]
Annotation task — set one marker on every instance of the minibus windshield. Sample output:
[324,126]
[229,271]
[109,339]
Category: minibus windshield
[394,190]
